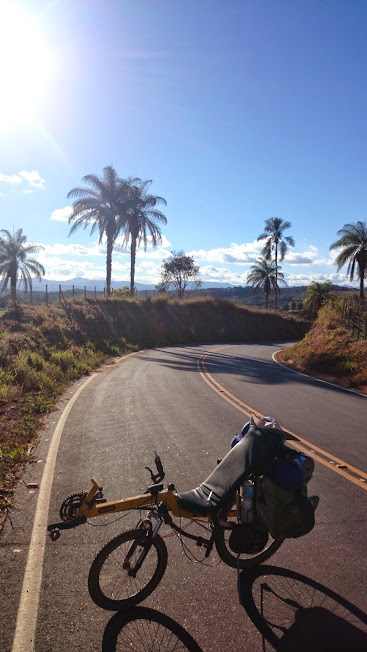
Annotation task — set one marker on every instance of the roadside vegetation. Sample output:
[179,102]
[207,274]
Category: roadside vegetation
[330,351]
[43,349]
[180,275]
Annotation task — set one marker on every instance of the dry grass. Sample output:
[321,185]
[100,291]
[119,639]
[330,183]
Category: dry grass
[329,351]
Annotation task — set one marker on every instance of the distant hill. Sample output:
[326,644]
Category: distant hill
[80,283]
[245,294]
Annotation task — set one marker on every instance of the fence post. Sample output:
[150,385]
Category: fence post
[85,292]
[95,292]
[60,295]
[31,295]
[46,296]
[73,291]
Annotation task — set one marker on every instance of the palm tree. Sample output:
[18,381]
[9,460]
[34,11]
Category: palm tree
[98,205]
[316,295]
[274,228]
[14,261]
[263,276]
[138,218]
[353,242]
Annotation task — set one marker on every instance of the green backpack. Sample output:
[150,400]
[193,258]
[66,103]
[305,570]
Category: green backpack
[286,513]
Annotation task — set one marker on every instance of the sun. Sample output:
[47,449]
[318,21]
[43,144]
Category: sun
[25,65]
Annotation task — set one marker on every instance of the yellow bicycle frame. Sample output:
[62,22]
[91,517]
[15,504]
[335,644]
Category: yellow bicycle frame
[166,496]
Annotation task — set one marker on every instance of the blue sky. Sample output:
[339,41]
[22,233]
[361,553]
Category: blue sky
[238,110]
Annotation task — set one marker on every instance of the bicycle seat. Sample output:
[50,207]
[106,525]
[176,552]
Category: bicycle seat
[251,455]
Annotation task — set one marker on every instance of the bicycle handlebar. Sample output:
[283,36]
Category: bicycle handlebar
[158,477]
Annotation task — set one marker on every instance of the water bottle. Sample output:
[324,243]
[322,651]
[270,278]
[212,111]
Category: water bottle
[247,501]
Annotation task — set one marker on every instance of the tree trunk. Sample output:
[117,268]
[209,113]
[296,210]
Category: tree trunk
[267,290]
[109,264]
[13,283]
[132,267]
[362,262]
[276,276]
[13,289]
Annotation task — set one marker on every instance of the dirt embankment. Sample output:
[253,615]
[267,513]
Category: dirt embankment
[330,351]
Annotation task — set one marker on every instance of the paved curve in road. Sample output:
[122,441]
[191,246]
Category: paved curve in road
[186,402]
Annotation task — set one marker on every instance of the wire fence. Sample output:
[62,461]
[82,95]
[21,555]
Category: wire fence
[355,316]
[48,296]
[60,295]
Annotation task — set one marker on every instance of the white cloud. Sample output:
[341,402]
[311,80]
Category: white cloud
[306,279]
[222,275]
[239,254]
[73,249]
[248,253]
[62,214]
[58,268]
[10,178]
[32,177]
[308,257]
[157,254]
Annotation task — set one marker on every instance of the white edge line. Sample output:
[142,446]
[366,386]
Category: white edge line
[26,623]
[319,380]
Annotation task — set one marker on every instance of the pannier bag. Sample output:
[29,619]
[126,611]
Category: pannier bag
[282,503]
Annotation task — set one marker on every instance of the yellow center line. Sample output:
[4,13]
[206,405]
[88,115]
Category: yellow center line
[310,449]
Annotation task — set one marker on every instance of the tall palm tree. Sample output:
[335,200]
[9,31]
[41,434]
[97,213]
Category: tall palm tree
[353,244]
[316,295]
[276,241]
[98,206]
[263,277]
[14,261]
[139,218]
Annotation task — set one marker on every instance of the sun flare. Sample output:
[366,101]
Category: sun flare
[25,65]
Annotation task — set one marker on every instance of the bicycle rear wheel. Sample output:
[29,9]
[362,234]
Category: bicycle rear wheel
[117,579]
[243,559]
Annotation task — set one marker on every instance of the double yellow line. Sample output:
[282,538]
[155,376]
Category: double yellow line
[331,462]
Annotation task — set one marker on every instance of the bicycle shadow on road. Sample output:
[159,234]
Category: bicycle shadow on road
[297,614]
[142,629]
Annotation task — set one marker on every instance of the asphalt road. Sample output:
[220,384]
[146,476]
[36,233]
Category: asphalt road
[187,402]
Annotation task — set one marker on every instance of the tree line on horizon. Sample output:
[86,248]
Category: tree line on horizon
[114,206]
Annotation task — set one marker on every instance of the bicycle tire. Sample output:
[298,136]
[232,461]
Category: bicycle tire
[243,560]
[109,584]
[142,628]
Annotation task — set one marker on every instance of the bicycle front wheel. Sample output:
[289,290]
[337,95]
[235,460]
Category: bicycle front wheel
[127,570]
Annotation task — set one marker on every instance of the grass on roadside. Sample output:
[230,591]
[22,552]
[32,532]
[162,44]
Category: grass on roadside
[330,351]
